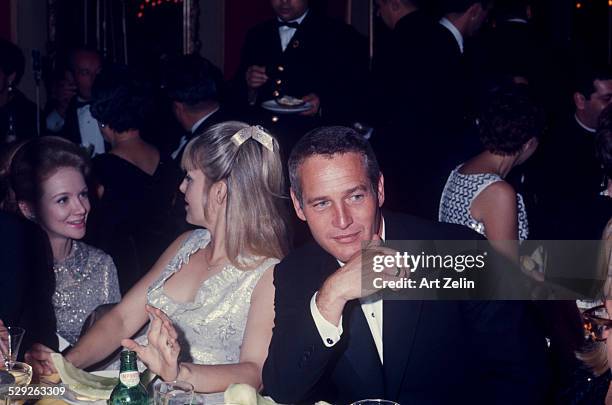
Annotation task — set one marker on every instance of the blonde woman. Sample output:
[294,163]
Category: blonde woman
[214,284]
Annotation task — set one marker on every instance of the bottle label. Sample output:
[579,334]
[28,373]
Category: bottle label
[129,378]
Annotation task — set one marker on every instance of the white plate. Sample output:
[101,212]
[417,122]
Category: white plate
[73,399]
[272,105]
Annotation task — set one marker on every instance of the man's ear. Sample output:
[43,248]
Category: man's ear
[579,100]
[297,205]
[474,11]
[26,210]
[381,190]
[177,106]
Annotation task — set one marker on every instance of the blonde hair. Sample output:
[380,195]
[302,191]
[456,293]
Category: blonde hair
[595,356]
[256,216]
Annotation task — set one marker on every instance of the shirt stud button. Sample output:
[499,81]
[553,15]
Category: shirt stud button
[329,341]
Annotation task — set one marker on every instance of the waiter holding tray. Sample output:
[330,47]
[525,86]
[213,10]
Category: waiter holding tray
[300,64]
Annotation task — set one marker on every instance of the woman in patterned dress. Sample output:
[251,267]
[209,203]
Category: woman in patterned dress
[215,284]
[48,185]
[476,194]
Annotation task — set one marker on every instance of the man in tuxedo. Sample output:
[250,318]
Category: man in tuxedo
[424,100]
[193,85]
[333,341]
[71,117]
[567,160]
[302,54]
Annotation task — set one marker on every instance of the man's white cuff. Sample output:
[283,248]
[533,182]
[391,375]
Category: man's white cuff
[330,333]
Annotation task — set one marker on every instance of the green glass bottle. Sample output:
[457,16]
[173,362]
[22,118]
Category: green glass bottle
[129,390]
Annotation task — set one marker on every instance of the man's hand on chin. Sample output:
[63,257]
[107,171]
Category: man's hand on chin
[354,280]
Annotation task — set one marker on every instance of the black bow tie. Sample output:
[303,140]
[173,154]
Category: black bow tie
[291,24]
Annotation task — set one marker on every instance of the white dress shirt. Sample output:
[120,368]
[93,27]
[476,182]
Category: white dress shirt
[584,126]
[372,307]
[445,22]
[286,33]
[195,126]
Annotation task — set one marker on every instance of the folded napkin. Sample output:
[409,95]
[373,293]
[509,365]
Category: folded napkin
[244,394]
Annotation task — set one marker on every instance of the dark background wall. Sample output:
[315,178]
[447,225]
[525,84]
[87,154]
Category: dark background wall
[5,19]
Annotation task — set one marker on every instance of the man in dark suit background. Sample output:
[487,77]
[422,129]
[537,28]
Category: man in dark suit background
[302,54]
[424,100]
[567,162]
[330,341]
[70,116]
[193,85]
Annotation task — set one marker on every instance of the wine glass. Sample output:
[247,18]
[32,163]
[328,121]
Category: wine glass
[374,402]
[173,393]
[10,341]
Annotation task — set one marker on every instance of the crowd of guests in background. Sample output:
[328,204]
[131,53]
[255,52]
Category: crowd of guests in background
[167,188]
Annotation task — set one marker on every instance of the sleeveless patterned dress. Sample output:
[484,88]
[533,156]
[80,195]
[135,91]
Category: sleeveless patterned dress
[459,193]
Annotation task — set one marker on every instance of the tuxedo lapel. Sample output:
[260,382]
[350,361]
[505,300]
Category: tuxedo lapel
[401,319]
[361,350]
[275,39]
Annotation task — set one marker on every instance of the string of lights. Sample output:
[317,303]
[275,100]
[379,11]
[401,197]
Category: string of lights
[150,4]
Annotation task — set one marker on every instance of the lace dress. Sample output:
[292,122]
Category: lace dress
[459,193]
[84,280]
[211,327]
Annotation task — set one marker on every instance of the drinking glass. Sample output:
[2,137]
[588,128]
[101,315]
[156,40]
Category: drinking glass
[21,372]
[10,340]
[375,402]
[173,393]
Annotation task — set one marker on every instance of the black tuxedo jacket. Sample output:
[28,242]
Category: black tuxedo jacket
[435,352]
[419,75]
[215,118]
[71,130]
[324,56]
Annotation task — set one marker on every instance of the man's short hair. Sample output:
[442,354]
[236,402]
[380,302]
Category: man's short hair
[460,6]
[192,80]
[72,54]
[329,141]
[11,59]
[585,76]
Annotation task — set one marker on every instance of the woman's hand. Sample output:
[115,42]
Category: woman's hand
[39,357]
[161,353]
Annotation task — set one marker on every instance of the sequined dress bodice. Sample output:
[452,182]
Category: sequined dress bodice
[459,193]
[212,326]
[86,279]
